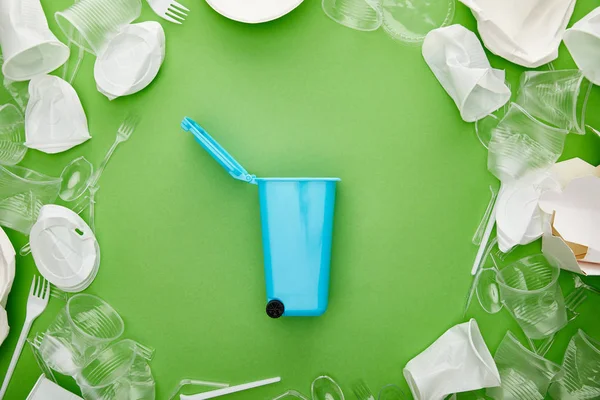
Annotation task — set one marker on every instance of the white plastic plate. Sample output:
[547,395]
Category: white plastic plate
[253,11]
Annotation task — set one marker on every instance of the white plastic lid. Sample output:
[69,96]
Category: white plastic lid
[64,248]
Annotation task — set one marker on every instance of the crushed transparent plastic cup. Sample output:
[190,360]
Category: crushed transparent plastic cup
[462,363]
[325,388]
[12,135]
[524,374]
[79,332]
[362,15]
[23,192]
[91,24]
[521,144]
[557,98]
[581,364]
[410,21]
[121,371]
[530,291]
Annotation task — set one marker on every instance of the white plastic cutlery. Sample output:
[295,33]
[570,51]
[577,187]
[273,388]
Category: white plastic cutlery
[36,304]
[228,390]
[170,10]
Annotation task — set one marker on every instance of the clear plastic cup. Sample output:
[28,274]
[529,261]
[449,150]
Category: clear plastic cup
[81,330]
[12,135]
[91,24]
[121,371]
[581,365]
[529,289]
[409,21]
[558,98]
[23,192]
[523,374]
[362,15]
[521,144]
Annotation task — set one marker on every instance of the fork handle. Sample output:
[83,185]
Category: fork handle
[15,357]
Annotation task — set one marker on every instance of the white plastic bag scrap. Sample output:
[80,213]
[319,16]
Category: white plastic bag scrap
[458,61]
[131,60]
[583,42]
[54,118]
[525,32]
[459,361]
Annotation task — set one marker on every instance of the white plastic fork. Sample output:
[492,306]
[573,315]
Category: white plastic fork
[170,10]
[36,304]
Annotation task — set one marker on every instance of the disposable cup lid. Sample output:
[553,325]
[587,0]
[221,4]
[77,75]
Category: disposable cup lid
[64,248]
[216,151]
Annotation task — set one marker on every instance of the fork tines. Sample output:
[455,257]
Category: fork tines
[40,287]
[176,12]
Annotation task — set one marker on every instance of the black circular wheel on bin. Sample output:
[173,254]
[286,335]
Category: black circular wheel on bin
[275,308]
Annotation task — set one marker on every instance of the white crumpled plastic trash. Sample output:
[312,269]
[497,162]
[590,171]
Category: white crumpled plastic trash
[54,118]
[583,42]
[7,276]
[525,32]
[519,219]
[458,61]
[131,60]
[459,361]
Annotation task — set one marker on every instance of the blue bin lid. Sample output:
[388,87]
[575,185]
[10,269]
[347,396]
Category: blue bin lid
[217,152]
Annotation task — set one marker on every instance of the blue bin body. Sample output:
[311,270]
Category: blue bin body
[297,224]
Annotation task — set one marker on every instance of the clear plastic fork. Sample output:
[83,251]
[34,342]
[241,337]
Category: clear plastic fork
[36,304]
[170,10]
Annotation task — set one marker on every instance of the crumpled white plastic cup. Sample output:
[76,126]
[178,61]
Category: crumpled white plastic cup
[583,42]
[458,61]
[28,46]
[459,361]
[54,118]
[131,60]
[525,32]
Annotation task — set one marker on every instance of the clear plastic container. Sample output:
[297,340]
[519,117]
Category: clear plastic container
[558,98]
[362,15]
[121,371]
[529,289]
[581,364]
[524,375]
[12,135]
[23,192]
[91,24]
[521,144]
[80,332]
[409,21]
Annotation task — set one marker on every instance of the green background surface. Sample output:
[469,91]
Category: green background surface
[300,96]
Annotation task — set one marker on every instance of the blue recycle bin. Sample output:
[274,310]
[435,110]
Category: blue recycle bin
[297,223]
